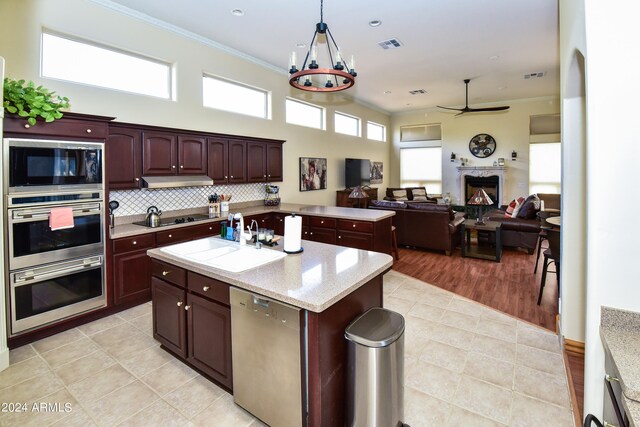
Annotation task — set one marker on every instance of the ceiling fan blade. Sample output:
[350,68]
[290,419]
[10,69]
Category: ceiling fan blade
[448,108]
[477,110]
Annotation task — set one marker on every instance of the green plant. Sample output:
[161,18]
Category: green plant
[31,101]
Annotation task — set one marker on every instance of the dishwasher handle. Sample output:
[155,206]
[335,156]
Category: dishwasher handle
[261,302]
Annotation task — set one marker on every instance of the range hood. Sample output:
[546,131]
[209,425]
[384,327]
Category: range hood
[174,181]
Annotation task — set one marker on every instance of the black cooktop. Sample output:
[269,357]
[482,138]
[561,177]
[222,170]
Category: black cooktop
[179,220]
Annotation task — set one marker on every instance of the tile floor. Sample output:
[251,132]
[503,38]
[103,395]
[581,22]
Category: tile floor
[465,365]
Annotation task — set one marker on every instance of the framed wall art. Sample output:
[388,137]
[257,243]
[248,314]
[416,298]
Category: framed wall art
[313,173]
[376,172]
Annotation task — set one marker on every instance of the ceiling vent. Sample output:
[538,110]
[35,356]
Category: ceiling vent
[417,92]
[534,75]
[390,44]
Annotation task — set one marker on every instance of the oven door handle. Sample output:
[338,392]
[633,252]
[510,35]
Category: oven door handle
[30,277]
[34,215]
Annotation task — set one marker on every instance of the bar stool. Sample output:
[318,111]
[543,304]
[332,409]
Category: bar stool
[551,255]
[394,243]
[542,235]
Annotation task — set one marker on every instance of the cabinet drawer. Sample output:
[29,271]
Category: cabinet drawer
[350,225]
[208,287]
[317,221]
[169,273]
[177,235]
[134,243]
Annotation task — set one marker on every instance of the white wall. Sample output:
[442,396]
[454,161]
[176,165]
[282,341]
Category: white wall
[510,130]
[21,22]
[605,32]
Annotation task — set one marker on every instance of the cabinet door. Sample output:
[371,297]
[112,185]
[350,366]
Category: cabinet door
[124,158]
[169,316]
[274,162]
[131,276]
[218,165]
[192,155]
[305,233]
[237,161]
[356,240]
[278,223]
[209,334]
[323,235]
[159,153]
[183,234]
[256,161]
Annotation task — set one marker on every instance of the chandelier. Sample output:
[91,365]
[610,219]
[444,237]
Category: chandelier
[311,77]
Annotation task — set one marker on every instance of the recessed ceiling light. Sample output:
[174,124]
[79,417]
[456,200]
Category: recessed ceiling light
[237,12]
[375,23]
[301,45]
[494,57]
[387,92]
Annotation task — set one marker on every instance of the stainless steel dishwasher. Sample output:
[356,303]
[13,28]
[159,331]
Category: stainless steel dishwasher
[265,343]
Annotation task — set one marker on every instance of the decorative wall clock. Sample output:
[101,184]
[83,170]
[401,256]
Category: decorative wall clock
[482,145]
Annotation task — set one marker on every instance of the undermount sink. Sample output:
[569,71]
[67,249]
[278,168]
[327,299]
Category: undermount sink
[224,255]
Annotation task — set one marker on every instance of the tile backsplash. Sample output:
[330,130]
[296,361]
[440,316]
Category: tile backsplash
[134,202]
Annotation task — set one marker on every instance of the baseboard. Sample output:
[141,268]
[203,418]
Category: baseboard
[575,347]
[4,359]
[572,391]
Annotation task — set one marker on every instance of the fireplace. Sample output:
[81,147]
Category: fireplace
[490,184]
[494,183]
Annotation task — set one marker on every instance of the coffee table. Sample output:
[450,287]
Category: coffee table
[482,252]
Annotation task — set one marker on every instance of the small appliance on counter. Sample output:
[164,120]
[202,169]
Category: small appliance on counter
[273,197]
[153,217]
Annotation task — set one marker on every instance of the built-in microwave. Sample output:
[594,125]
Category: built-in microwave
[37,166]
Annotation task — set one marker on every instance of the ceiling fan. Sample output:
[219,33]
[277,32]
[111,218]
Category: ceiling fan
[468,109]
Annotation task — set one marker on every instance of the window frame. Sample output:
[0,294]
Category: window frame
[267,95]
[384,131]
[322,110]
[349,116]
[422,183]
[170,81]
[557,184]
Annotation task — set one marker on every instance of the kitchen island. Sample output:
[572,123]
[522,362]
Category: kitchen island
[330,284]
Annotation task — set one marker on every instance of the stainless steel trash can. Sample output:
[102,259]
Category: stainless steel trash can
[375,369]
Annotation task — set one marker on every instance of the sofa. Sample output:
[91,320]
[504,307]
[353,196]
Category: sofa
[424,225]
[523,232]
[407,195]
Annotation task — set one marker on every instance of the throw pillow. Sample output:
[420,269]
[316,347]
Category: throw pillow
[528,209]
[400,194]
[419,198]
[517,208]
[418,192]
[511,208]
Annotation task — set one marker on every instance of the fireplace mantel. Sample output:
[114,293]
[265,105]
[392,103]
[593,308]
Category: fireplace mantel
[499,171]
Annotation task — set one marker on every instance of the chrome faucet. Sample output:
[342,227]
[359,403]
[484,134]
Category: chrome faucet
[241,234]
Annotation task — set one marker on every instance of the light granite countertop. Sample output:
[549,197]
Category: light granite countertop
[620,332]
[312,280]
[125,228]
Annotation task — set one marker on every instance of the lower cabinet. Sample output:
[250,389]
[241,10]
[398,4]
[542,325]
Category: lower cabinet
[193,327]
[355,240]
[132,269]
[323,235]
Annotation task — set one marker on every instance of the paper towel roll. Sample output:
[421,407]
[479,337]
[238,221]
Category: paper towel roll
[292,233]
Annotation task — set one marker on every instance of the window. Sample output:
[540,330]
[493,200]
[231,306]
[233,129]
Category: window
[346,124]
[304,114]
[235,97]
[421,167]
[376,131]
[544,168]
[81,62]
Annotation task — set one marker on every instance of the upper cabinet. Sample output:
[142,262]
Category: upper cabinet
[264,161]
[124,157]
[167,153]
[73,126]
[136,150]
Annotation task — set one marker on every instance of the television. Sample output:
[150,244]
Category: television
[357,172]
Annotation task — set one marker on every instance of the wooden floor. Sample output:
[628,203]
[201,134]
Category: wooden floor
[509,286]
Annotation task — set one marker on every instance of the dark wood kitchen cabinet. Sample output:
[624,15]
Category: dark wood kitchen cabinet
[264,161]
[183,234]
[237,161]
[123,158]
[74,126]
[218,167]
[132,269]
[192,319]
[166,153]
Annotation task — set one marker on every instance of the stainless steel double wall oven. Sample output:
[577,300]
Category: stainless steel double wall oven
[53,274]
